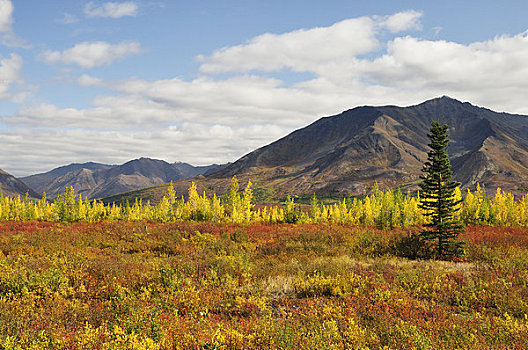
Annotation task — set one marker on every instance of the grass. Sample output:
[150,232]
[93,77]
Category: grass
[122,285]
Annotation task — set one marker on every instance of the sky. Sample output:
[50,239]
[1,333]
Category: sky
[208,81]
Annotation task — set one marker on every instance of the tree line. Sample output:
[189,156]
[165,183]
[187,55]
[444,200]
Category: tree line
[386,209]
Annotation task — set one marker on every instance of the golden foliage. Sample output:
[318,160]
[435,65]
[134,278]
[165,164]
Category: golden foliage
[387,209]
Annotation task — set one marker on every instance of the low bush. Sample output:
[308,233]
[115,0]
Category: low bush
[113,285]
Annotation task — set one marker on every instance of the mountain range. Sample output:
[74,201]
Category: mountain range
[340,155]
[94,180]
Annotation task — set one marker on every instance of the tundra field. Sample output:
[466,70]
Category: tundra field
[205,285]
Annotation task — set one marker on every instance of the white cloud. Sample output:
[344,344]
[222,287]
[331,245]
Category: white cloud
[92,53]
[6,15]
[108,113]
[299,50]
[492,73]
[7,35]
[234,101]
[155,105]
[492,65]
[308,49]
[10,71]
[402,21]
[87,80]
[111,9]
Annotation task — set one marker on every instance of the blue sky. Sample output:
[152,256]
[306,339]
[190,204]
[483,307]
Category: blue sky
[208,81]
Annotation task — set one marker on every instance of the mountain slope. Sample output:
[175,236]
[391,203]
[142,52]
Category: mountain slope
[93,180]
[347,153]
[12,187]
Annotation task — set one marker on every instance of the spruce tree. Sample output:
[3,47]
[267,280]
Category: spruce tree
[438,198]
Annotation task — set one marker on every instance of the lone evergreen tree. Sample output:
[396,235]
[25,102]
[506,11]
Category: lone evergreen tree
[438,198]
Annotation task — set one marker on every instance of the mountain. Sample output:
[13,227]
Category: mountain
[346,153]
[93,180]
[10,186]
[68,175]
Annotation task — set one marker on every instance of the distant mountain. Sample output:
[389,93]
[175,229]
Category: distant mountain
[93,180]
[190,171]
[345,154]
[12,187]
